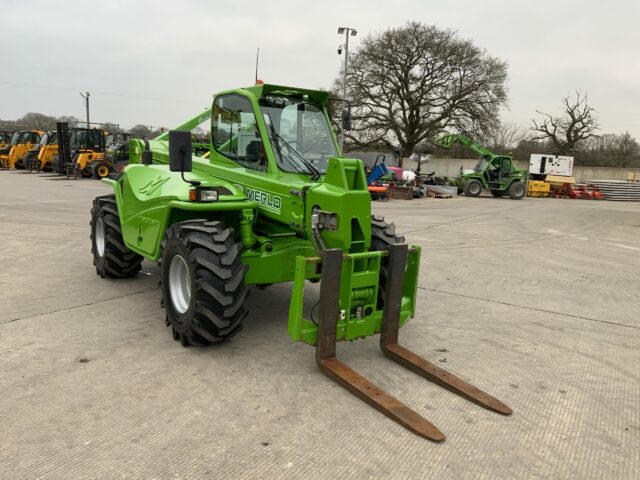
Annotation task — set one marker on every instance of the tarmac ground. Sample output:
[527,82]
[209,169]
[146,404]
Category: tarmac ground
[535,301]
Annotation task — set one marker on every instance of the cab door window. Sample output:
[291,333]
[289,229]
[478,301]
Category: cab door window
[494,170]
[506,167]
[235,133]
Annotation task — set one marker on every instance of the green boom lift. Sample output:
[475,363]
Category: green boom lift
[493,172]
[273,201]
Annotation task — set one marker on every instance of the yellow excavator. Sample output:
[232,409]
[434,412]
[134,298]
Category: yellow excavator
[89,146]
[40,158]
[96,153]
[80,149]
[21,143]
[115,158]
[5,146]
[5,139]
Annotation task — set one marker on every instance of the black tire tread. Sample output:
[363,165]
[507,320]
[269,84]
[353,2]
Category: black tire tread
[383,234]
[467,185]
[94,168]
[512,194]
[119,261]
[220,290]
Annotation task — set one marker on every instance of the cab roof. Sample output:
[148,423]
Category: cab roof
[319,97]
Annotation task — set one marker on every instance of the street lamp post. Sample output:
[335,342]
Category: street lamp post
[348,31]
[86,104]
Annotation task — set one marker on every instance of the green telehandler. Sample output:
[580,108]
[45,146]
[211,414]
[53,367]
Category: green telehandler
[271,201]
[493,172]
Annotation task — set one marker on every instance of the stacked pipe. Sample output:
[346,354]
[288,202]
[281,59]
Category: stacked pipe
[618,190]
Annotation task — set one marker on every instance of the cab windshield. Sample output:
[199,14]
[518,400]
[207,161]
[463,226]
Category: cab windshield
[79,138]
[89,139]
[28,137]
[4,137]
[481,165]
[14,139]
[299,134]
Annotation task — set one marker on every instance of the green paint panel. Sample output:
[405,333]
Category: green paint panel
[358,293]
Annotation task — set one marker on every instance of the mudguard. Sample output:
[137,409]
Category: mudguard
[150,198]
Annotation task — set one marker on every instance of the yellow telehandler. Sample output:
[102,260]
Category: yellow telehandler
[5,139]
[40,158]
[78,149]
[21,143]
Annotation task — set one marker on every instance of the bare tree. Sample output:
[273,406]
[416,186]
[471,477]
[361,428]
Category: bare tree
[141,131]
[506,137]
[626,149]
[609,150]
[577,123]
[409,84]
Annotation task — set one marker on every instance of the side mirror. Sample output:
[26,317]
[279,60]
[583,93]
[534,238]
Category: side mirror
[346,119]
[180,153]
[147,157]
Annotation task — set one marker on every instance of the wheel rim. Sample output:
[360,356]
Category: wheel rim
[474,188]
[179,284]
[103,171]
[99,237]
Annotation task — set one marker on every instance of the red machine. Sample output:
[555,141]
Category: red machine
[586,191]
[380,191]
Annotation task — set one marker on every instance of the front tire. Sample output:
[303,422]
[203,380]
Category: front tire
[203,290]
[100,170]
[473,188]
[517,191]
[110,255]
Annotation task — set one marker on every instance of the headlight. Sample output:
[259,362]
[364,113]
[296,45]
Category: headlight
[203,195]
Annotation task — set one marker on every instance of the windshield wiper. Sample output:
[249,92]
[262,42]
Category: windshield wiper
[315,173]
[273,137]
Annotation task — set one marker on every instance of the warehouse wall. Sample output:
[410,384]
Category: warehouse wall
[583,173]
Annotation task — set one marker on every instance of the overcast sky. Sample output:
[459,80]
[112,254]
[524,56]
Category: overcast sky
[159,62]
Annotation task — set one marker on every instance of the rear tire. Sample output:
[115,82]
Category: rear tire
[203,290]
[473,188]
[110,255]
[383,234]
[517,191]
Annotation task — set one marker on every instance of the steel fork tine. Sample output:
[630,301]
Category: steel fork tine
[345,376]
[397,353]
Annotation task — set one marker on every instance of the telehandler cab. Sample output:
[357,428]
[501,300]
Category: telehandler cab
[275,201]
[493,172]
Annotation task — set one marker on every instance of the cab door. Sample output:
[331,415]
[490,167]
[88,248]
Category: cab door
[506,168]
[242,154]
